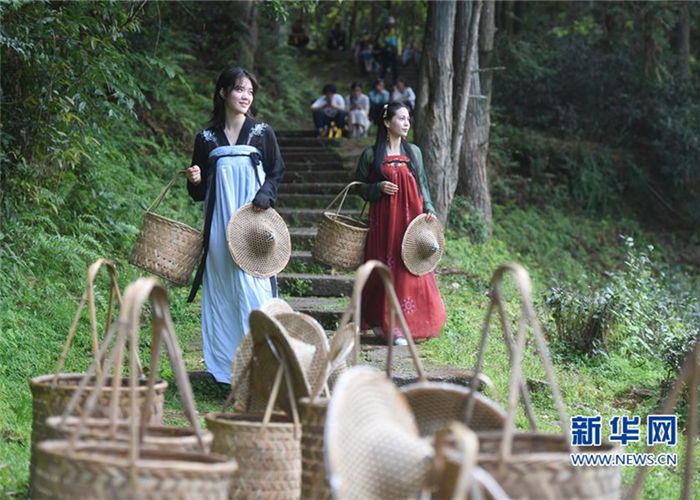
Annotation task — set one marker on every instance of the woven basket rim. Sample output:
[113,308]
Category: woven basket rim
[252,420]
[116,454]
[153,431]
[563,454]
[174,222]
[343,220]
[47,380]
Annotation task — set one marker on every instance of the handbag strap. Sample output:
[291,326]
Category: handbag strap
[89,298]
[527,316]
[165,190]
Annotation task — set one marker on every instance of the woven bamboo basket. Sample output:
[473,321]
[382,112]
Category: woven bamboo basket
[340,241]
[436,404]
[103,469]
[533,464]
[51,394]
[166,247]
[539,466]
[113,469]
[268,454]
[314,483]
[266,445]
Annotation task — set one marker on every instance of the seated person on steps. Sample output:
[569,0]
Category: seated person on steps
[328,109]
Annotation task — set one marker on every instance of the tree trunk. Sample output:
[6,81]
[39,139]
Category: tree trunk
[684,40]
[487,31]
[353,22]
[434,105]
[464,62]
[473,178]
[250,45]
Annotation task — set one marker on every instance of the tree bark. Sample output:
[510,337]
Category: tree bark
[487,32]
[353,22]
[463,78]
[684,40]
[434,106]
[473,155]
[250,45]
[473,172]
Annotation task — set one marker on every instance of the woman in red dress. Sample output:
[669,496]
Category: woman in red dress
[397,189]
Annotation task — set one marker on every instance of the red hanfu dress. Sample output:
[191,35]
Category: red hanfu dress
[389,216]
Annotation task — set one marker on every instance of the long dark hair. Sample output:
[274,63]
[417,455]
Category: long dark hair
[228,78]
[380,143]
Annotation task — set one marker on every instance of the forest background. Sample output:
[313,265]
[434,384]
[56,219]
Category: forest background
[593,177]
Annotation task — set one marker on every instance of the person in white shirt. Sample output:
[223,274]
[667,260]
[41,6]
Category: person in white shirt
[328,109]
[404,94]
[358,111]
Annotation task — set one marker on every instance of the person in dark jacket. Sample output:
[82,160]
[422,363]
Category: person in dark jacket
[236,161]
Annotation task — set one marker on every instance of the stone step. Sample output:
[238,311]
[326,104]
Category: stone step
[326,310]
[302,237]
[295,142]
[312,200]
[313,156]
[296,133]
[316,285]
[299,217]
[326,176]
[312,187]
[304,166]
[301,257]
[296,148]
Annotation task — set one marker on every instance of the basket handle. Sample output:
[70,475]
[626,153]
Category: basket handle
[89,298]
[354,310]
[344,192]
[127,327]
[282,370]
[527,316]
[165,190]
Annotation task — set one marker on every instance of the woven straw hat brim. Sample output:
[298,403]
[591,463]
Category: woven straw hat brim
[275,306]
[372,447]
[412,251]
[262,328]
[251,249]
[306,329]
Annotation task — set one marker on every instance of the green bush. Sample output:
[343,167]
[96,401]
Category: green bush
[633,312]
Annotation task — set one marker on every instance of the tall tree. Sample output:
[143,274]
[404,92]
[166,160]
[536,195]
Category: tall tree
[473,155]
[684,40]
[452,32]
[434,104]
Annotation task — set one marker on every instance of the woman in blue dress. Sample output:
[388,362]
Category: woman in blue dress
[235,161]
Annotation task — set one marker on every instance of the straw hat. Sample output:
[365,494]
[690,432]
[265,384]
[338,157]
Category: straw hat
[422,246]
[296,336]
[259,242]
[372,447]
[272,345]
[241,366]
[303,328]
[273,307]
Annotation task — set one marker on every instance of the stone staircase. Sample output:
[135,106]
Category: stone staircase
[314,175]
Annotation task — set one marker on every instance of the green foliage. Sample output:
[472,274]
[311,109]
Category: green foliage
[465,219]
[633,312]
[584,73]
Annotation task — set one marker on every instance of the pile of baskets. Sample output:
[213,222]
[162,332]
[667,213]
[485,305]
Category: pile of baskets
[307,422]
[99,434]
